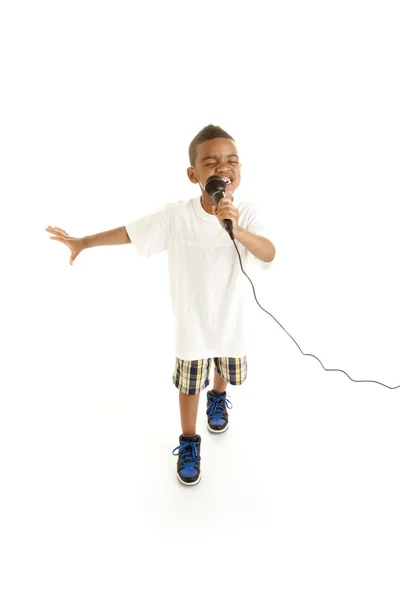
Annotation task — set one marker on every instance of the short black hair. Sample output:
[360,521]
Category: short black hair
[209,132]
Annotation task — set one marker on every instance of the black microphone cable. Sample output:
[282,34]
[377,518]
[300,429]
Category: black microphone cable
[215,187]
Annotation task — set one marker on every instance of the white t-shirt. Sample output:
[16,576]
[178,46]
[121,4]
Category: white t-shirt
[208,289]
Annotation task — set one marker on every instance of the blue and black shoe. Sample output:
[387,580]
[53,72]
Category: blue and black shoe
[188,468]
[217,415]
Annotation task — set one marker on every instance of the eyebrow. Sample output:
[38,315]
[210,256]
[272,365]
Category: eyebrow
[215,157]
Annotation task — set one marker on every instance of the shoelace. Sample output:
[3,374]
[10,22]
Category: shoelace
[190,454]
[216,405]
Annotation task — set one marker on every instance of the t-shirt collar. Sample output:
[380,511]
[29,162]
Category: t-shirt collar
[201,213]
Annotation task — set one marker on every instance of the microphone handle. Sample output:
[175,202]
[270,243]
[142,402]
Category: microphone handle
[228,226]
[217,196]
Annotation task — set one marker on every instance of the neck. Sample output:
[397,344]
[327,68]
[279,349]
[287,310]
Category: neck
[207,204]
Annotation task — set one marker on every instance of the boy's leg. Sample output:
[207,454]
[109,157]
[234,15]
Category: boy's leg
[219,383]
[188,405]
[234,370]
[190,376]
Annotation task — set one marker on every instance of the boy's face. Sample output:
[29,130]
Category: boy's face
[216,157]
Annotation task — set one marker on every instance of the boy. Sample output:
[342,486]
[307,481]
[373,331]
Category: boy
[206,284]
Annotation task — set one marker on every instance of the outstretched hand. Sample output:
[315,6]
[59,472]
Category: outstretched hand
[76,245]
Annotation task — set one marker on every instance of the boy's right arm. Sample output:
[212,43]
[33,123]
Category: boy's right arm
[111,237]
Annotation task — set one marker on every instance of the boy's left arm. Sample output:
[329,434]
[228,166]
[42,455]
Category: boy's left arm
[258,245]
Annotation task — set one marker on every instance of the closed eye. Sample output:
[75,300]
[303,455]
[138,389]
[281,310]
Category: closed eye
[233,162]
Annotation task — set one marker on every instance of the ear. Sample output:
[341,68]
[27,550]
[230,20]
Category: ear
[192,175]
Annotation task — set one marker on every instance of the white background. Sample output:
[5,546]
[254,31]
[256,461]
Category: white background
[99,102]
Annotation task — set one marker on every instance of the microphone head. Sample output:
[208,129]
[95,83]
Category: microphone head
[214,184]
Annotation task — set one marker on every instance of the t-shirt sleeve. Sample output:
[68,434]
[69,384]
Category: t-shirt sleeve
[149,234]
[256,223]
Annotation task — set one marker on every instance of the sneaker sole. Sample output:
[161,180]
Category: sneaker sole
[189,483]
[217,430]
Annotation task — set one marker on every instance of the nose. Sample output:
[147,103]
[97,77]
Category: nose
[223,170]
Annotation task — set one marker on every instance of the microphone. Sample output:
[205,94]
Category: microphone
[216,188]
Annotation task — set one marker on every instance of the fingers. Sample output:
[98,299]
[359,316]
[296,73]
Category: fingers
[62,236]
[57,230]
[216,213]
[73,257]
[224,212]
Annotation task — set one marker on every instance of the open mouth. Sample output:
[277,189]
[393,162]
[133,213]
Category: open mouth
[227,180]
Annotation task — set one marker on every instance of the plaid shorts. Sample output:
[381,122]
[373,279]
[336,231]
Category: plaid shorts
[192,376]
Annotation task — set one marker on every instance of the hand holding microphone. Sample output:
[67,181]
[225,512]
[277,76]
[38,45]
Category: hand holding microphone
[227,213]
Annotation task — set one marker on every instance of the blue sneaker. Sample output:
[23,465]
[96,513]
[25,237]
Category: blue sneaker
[217,415]
[188,468]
